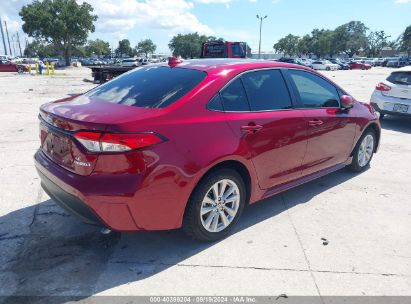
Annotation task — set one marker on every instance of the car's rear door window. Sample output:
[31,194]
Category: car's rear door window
[149,87]
[234,97]
[314,91]
[266,90]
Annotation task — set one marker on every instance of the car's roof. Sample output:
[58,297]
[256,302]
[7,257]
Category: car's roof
[404,69]
[217,65]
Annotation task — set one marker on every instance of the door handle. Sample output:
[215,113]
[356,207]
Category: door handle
[251,128]
[315,123]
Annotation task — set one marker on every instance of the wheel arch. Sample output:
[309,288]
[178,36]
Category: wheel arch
[236,165]
[371,126]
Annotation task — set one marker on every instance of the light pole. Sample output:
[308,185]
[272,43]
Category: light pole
[261,25]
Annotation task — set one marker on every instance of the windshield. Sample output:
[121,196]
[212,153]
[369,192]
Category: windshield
[149,87]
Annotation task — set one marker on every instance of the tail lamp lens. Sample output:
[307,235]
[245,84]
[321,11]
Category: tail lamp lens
[90,140]
[116,142]
[382,87]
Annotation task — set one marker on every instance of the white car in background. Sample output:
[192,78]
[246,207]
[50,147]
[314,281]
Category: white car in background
[130,62]
[393,95]
[324,65]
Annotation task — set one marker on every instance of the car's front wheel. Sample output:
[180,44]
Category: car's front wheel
[364,151]
[215,205]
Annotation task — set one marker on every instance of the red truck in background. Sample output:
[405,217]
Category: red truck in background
[223,49]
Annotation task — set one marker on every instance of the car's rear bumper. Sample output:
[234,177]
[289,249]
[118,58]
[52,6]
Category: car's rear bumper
[90,198]
[69,202]
[385,104]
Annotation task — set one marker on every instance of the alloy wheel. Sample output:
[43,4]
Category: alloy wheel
[366,150]
[220,205]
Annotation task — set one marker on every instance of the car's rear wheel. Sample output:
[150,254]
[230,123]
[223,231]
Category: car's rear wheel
[215,205]
[364,151]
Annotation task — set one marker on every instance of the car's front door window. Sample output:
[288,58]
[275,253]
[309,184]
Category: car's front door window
[314,91]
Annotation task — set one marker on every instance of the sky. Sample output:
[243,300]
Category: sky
[233,20]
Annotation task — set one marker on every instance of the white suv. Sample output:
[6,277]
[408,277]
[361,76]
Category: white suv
[393,95]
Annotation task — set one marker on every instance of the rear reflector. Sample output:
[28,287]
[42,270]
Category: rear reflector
[116,142]
[382,87]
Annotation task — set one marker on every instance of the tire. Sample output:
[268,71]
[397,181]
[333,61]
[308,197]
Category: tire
[363,153]
[327,68]
[199,226]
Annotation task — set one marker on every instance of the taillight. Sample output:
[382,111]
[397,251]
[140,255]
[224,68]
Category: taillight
[90,140]
[116,142]
[382,87]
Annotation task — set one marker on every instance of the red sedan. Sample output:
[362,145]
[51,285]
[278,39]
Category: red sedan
[189,144]
[8,66]
[359,66]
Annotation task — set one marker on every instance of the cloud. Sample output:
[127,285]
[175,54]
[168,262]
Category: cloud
[120,16]
[402,1]
[214,1]
[117,17]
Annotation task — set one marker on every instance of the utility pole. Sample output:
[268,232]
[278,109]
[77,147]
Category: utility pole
[261,25]
[8,39]
[13,44]
[2,36]
[18,40]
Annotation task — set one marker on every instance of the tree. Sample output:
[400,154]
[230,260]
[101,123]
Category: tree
[287,45]
[351,38]
[188,45]
[146,47]
[322,43]
[64,23]
[97,47]
[124,48]
[376,42]
[405,41]
[38,48]
[304,46]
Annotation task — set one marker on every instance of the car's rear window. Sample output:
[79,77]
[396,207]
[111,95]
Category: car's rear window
[149,87]
[400,78]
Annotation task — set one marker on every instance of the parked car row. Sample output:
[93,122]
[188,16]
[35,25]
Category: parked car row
[361,63]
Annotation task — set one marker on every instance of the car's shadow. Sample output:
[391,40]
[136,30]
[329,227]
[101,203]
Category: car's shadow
[58,255]
[397,123]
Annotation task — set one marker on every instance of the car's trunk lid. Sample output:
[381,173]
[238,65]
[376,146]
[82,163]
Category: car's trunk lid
[60,120]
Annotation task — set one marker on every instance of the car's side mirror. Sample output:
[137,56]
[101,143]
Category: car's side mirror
[347,102]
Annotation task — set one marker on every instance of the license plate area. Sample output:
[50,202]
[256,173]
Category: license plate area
[56,146]
[401,108]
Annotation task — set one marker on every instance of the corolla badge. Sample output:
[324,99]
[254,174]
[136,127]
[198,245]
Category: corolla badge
[79,162]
